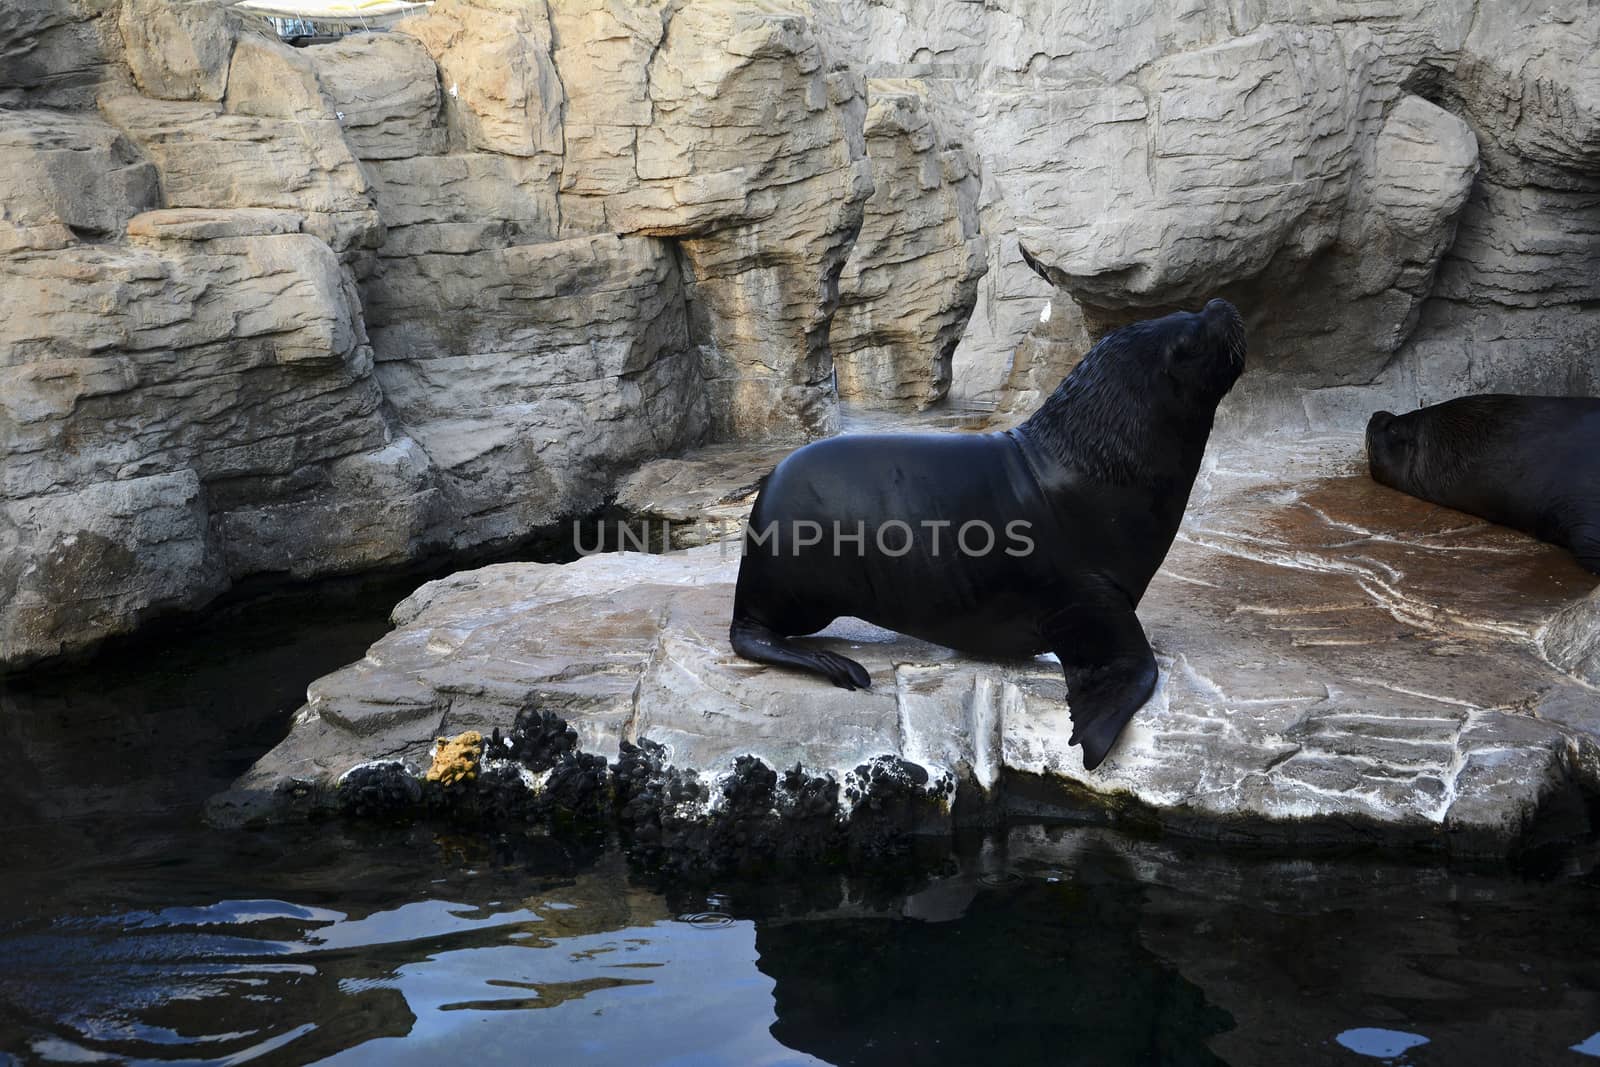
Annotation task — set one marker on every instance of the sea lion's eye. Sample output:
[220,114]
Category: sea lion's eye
[1185,346]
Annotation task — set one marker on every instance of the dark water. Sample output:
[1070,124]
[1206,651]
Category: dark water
[131,933]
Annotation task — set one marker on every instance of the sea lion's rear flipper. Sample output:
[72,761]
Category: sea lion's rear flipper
[754,641]
[1110,669]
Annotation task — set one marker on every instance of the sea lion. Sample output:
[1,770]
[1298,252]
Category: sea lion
[1037,539]
[1528,462]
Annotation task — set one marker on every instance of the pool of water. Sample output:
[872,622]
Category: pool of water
[132,933]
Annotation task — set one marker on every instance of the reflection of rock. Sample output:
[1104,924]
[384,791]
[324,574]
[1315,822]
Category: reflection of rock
[1325,671]
[1262,959]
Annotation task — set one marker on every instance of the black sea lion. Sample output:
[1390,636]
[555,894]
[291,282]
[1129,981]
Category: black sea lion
[1528,462]
[1038,539]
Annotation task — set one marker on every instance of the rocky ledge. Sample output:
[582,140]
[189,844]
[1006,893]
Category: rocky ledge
[1338,663]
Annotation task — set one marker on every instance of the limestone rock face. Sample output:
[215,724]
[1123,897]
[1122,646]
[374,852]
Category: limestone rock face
[254,333]
[747,146]
[190,270]
[1528,77]
[536,373]
[1367,180]
[479,265]
[52,53]
[501,89]
[1055,344]
[209,158]
[1572,640]
[384,88]
[177,49]
[1260,127]
[911,280]
[706,122]
[81,565]
[67,174]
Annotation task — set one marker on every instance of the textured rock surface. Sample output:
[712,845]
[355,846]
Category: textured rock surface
[52,54]
[1312,161]
[543,371]
[577,243]
[177,49]
[85,563]
[911,281]
[1336,658]
[67,174]
[502,92]
[384,88]
[211,158]
[756,160]
[1572,640]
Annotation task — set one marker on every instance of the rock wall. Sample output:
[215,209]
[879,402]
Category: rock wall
[334,307]
[278,310]
[911,281]
[1400,194]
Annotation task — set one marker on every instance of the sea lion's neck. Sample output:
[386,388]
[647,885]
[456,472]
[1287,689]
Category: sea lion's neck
[1111,431]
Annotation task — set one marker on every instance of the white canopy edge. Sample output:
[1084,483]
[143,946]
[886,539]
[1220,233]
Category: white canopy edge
[331,10]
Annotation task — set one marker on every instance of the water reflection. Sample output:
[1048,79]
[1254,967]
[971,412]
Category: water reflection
[1379,1043]
[405,946]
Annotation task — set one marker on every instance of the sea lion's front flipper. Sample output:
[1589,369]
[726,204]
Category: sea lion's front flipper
[1110,669]
[760,643]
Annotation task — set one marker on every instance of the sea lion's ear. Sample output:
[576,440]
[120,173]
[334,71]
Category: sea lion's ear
[1108,664]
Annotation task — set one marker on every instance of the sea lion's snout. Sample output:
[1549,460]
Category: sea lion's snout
[1224,323]
[1381,446]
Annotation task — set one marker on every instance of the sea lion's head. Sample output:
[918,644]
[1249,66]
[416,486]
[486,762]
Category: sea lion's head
[1180,365]
[1142,390]
[1202,352]
[1193,357]
[1392,449]
[1426,452]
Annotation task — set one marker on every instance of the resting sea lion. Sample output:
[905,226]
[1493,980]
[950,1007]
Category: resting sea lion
[1037,539]
[1528,462]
